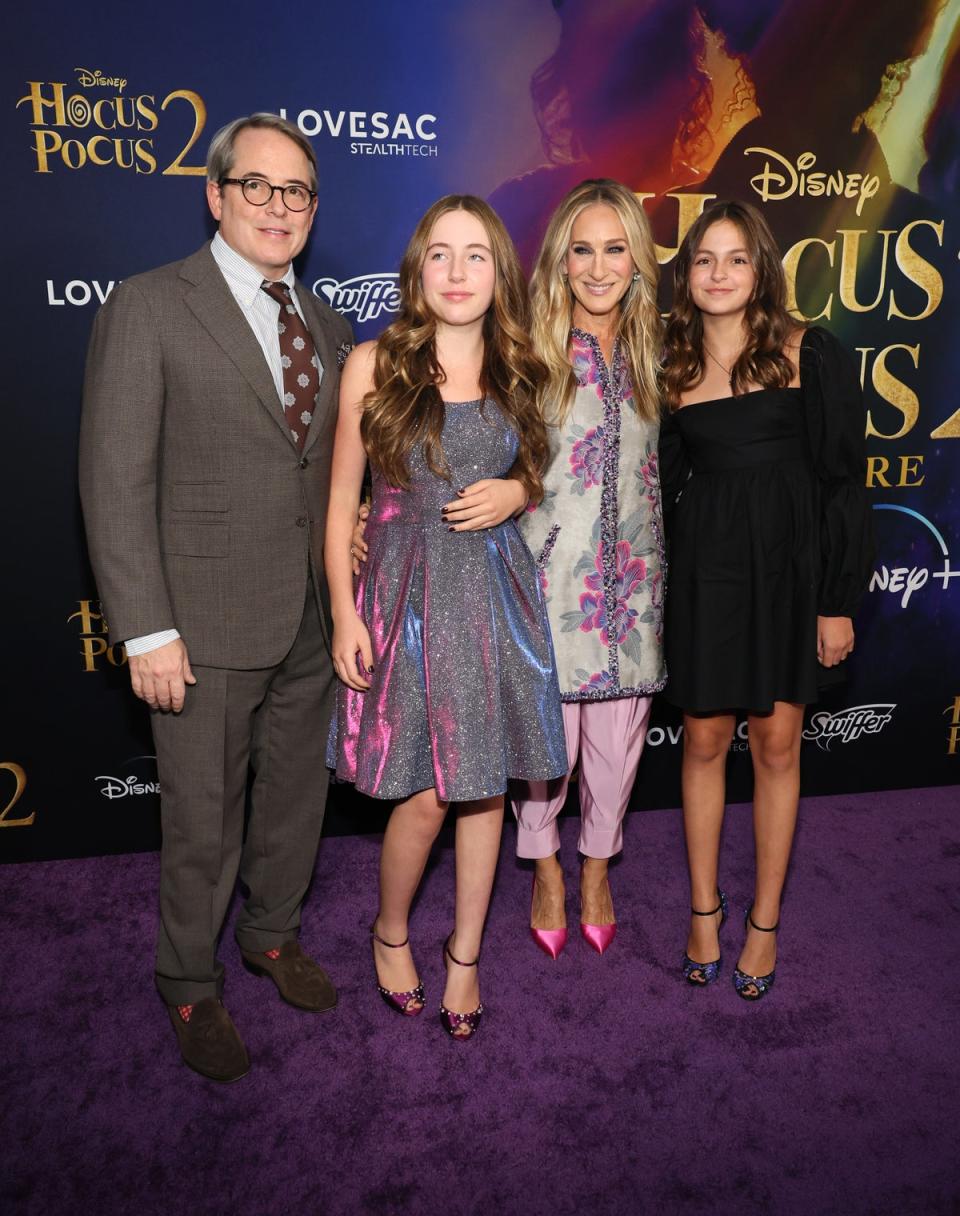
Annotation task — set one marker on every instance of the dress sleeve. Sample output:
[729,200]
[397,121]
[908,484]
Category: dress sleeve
[674,463]
[835,419]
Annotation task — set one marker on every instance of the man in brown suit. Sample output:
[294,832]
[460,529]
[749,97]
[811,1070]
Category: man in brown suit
[208,420]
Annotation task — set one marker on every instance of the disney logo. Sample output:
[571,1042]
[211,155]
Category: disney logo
[96,80]
[124,787]
[366,296]
[848,725]
[773,186]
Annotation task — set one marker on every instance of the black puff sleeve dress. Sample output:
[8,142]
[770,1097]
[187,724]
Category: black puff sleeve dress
[769,527]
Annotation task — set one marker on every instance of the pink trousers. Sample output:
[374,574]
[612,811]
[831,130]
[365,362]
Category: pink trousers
[609,737]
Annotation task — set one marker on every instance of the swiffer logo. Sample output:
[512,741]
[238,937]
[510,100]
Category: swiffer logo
[364,297]
[848,725]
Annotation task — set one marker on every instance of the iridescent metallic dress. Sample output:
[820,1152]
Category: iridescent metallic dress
[464,692]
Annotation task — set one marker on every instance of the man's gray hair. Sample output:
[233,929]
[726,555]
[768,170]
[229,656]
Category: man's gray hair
[221,154]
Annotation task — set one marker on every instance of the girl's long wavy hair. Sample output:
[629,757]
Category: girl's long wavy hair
[768,324]
[639,328]
[404,409]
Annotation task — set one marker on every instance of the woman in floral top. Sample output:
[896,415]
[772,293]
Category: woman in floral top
[597,533]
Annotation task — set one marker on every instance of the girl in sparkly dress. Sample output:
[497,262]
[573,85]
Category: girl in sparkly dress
[449,687]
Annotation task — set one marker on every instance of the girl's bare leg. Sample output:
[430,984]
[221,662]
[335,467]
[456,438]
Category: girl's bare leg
[410,834]
[706,744]
[479,825]
[775,750]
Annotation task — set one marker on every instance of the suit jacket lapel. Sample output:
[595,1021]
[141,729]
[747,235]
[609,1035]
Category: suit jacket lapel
[212,302]
[327,353]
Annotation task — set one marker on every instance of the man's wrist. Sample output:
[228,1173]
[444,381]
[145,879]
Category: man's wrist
[150,641]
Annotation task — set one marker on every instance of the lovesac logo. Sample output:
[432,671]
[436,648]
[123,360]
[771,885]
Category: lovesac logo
[372,133]
[79,292]
[364,297]
[847,725]
[134,784]
[657,736]
[904,580]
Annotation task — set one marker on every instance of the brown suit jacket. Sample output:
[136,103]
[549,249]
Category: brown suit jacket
[200,513]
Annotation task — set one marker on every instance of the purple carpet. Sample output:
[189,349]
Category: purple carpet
[595,1085]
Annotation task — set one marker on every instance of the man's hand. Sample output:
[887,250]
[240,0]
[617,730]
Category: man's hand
[160,676]
[834,639]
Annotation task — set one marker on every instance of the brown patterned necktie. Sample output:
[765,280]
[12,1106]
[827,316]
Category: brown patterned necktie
[301,367]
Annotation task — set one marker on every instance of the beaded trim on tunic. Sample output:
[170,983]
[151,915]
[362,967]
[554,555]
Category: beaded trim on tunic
[611,380]
[548,547]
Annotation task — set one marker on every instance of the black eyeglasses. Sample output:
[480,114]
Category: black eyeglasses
[259,193]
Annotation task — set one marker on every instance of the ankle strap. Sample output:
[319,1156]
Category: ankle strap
[712,912]
[393,945]
[760,928]
[446,950]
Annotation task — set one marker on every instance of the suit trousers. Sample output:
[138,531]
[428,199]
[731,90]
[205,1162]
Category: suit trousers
[274,722]
[609,738]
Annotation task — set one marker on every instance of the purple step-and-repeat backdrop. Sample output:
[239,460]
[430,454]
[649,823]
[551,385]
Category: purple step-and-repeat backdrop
[837,117]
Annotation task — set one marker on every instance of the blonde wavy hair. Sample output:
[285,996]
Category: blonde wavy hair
[639,328]
[405,410]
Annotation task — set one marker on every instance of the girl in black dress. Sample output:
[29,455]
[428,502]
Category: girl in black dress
[763,474]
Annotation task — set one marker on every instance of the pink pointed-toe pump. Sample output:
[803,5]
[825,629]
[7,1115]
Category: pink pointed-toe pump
[550,941]
[598,936]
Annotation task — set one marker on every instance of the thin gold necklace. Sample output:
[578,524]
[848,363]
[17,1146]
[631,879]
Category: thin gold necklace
[728,371]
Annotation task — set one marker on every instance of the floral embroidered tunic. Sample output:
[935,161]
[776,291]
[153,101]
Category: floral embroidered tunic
[598,536]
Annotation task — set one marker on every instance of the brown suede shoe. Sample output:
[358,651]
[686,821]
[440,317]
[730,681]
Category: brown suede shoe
[301,982]
[209,1042]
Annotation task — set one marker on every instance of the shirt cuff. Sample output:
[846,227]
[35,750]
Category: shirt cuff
[150,641]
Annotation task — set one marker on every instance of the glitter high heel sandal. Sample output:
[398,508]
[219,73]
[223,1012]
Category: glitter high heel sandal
[701,974]
[760,984]
[407,1004]
[451,1021]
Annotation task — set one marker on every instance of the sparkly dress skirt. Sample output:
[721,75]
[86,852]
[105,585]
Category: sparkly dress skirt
[464,693]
